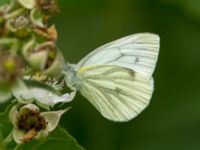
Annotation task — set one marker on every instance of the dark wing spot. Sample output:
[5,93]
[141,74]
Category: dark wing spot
[118,90]
[137,59]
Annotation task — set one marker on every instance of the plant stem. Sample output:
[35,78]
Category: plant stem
[17,147]
[13,42]
[15,13]
[8,139]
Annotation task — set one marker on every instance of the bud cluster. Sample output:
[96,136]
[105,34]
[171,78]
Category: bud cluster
[28,43]
[31,67]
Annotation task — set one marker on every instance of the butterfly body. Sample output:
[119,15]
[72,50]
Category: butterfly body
[70,75]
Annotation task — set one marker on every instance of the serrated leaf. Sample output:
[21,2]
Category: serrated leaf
[58,139]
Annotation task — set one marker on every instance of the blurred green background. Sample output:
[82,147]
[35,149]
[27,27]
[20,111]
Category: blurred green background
[172,120]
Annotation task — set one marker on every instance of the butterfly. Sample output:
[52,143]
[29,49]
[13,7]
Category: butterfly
[117,77]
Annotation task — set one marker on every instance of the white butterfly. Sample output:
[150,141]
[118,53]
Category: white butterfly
[117,77]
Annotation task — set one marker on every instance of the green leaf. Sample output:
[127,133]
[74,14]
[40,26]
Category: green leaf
[58,139]
[4,116]
[3,2]
[5,124]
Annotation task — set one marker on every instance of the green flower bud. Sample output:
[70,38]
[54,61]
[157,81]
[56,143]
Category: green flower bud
[37,18]
[56,66]
[10,72]
[20,25]
[45,57]
[28,4]
[36,59]
[10,69]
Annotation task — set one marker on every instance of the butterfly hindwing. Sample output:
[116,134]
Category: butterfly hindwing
[119,94]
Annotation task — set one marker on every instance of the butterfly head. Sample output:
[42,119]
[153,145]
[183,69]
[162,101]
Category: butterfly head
[69,72]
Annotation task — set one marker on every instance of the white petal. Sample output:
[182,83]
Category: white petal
[42,134]
[18,136]
[52,118]
[18,91]
[4,96]
[64,98]
[43,96]
[13,114]
[46,97]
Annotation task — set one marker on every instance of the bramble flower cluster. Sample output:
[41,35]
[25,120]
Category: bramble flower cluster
[31,68]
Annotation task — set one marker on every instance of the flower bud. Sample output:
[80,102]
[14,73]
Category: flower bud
[45,57]
[37,18]
[28,4]
[19,24]
[48,6]
[48,33]
[10,72]
[10,69]
[55,67]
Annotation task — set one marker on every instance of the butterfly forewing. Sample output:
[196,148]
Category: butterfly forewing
[137,52]
[118,93]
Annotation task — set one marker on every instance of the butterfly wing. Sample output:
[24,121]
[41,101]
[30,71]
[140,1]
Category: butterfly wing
[119,94]
[138,52]
[116,78]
